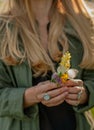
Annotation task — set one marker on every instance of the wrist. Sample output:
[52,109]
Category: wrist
[30,97]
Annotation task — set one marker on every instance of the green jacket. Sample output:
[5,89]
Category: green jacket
[15,79]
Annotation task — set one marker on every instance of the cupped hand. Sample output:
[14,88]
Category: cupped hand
[77,92]
[56,94]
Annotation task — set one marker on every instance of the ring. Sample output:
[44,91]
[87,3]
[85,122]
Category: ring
[79,94]
[46,97]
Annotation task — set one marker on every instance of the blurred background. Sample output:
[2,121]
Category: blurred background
[90,4]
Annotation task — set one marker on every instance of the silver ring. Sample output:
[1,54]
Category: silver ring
[79,94]
[46,97]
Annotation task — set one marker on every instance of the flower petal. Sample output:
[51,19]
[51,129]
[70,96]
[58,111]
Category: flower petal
[72,73]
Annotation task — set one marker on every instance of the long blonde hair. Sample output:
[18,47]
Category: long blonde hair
[20,37]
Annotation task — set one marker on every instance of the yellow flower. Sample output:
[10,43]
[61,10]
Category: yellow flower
[65,60]
[64,67]
[64,77]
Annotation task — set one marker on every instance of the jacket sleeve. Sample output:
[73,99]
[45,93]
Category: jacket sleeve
[88,79]
[11,98]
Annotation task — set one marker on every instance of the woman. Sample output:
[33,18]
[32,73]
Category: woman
[34,34]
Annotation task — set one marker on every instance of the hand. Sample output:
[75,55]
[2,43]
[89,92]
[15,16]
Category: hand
[36,94]
[56,94]
[77,93]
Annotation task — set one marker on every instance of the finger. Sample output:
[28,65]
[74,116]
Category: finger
[43,83]
[76,96]
[72,97]
[53,93]
[54,104]
[56,100]
[75,90]
[70,83]
[58,91]
[74,82]
[46,87]
[72,102]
